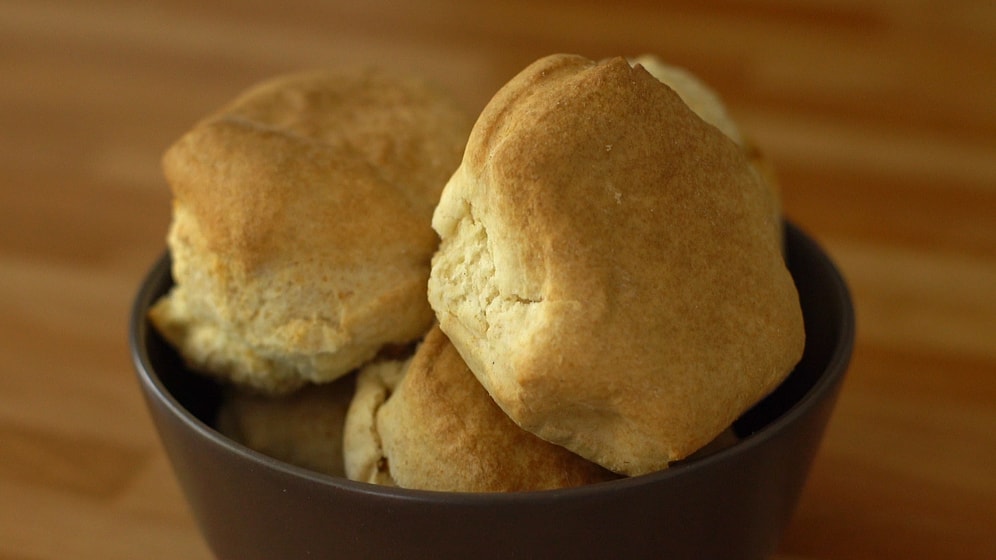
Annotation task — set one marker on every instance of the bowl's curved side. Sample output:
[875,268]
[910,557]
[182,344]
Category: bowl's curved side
[733,504]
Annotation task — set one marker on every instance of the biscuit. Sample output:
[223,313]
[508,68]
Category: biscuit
[438,429]
[303,429]
[300,236]
[610,266]
[362,448]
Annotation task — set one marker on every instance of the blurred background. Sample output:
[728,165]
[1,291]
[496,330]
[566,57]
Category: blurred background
[880,116]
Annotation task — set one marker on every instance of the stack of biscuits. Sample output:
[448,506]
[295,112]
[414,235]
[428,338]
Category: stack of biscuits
[586,283]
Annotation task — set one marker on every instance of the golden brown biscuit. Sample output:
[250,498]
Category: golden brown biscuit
[362,447]
[303,429]
[300,235]
[439,430]
[610,267]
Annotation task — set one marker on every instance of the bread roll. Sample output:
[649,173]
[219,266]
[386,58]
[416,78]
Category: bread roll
[303,429]
[363,450]
[436,428]
[300,235]
[610,266]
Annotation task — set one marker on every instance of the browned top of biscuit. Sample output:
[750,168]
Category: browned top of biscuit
[318,162]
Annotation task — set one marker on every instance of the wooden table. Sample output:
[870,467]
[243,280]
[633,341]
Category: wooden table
[881,117]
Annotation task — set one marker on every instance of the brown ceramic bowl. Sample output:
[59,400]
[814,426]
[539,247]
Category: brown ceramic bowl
[729,505]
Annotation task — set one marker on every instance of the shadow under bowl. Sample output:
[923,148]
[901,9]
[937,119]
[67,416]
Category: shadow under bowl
[728,505]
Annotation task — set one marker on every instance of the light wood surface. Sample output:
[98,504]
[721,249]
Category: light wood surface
[880,115]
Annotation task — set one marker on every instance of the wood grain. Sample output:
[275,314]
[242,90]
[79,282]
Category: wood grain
[880,115]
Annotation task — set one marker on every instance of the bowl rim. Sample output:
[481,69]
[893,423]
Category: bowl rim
[836,366]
